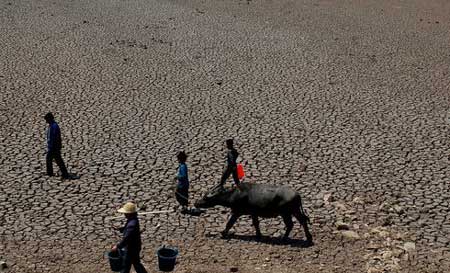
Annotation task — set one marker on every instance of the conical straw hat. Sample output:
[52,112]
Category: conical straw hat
[128,208]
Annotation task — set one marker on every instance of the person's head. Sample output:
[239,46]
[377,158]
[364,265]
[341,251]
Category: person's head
[229,143]
[129,210]
[49,118]
[182,156]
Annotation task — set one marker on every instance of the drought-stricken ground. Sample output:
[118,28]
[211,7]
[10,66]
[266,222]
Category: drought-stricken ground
[346,101]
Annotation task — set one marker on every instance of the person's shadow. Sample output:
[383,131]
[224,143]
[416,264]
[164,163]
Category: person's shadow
[73,176]
[268,240]
[193,212]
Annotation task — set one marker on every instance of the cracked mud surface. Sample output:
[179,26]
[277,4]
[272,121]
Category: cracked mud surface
[346,102]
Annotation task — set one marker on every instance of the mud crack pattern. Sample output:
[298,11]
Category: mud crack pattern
[349,99]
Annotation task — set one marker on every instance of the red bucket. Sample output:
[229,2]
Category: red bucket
[240,171]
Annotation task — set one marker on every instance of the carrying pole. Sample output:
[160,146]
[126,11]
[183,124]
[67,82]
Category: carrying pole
[144,213]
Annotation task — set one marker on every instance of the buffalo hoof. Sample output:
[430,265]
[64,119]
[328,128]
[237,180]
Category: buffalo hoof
[258,236]
[224,234]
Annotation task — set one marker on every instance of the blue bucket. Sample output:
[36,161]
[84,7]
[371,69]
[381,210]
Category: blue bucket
[167,257]
[116,260]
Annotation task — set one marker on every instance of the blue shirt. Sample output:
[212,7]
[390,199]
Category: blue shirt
[183,179]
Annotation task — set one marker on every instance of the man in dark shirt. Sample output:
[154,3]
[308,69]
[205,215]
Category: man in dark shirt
[131,241]
[54,147]
[231,167]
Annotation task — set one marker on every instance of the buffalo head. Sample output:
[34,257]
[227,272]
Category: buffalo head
[213,197]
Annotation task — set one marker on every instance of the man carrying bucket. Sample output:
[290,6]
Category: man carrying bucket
[131,241]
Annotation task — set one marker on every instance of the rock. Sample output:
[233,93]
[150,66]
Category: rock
[340,206]
[358,200]
[398,209]
[397,253]
[384,207]
[373,270]
[372,246]
[318,204]
[350,235]
[342,226]
[327,198]
[399,236]
[405,257]
[234,269]
[387,221]
[387,255]
[376,230]
[409,247]
[3,265]
[377,258]
[394,266]
[302,168]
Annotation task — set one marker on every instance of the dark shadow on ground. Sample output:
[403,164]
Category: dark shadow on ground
[193,212]
[267,240]
[73,176]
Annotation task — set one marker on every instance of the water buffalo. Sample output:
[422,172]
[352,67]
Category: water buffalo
[258,200]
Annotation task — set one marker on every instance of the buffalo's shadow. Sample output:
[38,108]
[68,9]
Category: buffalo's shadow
[267,240]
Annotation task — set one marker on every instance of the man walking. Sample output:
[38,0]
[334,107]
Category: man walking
[54,147]
[231,167]
[131,241]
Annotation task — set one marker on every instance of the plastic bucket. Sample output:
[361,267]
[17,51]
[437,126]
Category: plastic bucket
[240,171]
[116,260]
[167,257]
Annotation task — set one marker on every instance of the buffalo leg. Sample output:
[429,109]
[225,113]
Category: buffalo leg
[303,219]
[289,224]
[256,225]
[230,224]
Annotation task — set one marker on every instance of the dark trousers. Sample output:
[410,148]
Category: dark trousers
[56,154]
[230,170]
[133,259]
[182,196]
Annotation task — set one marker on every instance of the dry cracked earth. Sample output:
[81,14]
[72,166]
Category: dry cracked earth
[346,101]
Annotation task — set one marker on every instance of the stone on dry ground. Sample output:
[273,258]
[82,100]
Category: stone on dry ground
[346,101]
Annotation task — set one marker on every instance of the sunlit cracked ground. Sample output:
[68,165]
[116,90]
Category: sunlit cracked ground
[349,99]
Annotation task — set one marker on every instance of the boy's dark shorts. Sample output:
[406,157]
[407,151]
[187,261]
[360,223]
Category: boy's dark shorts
[182,196]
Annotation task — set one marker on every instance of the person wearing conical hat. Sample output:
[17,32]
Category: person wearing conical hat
[131,241]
